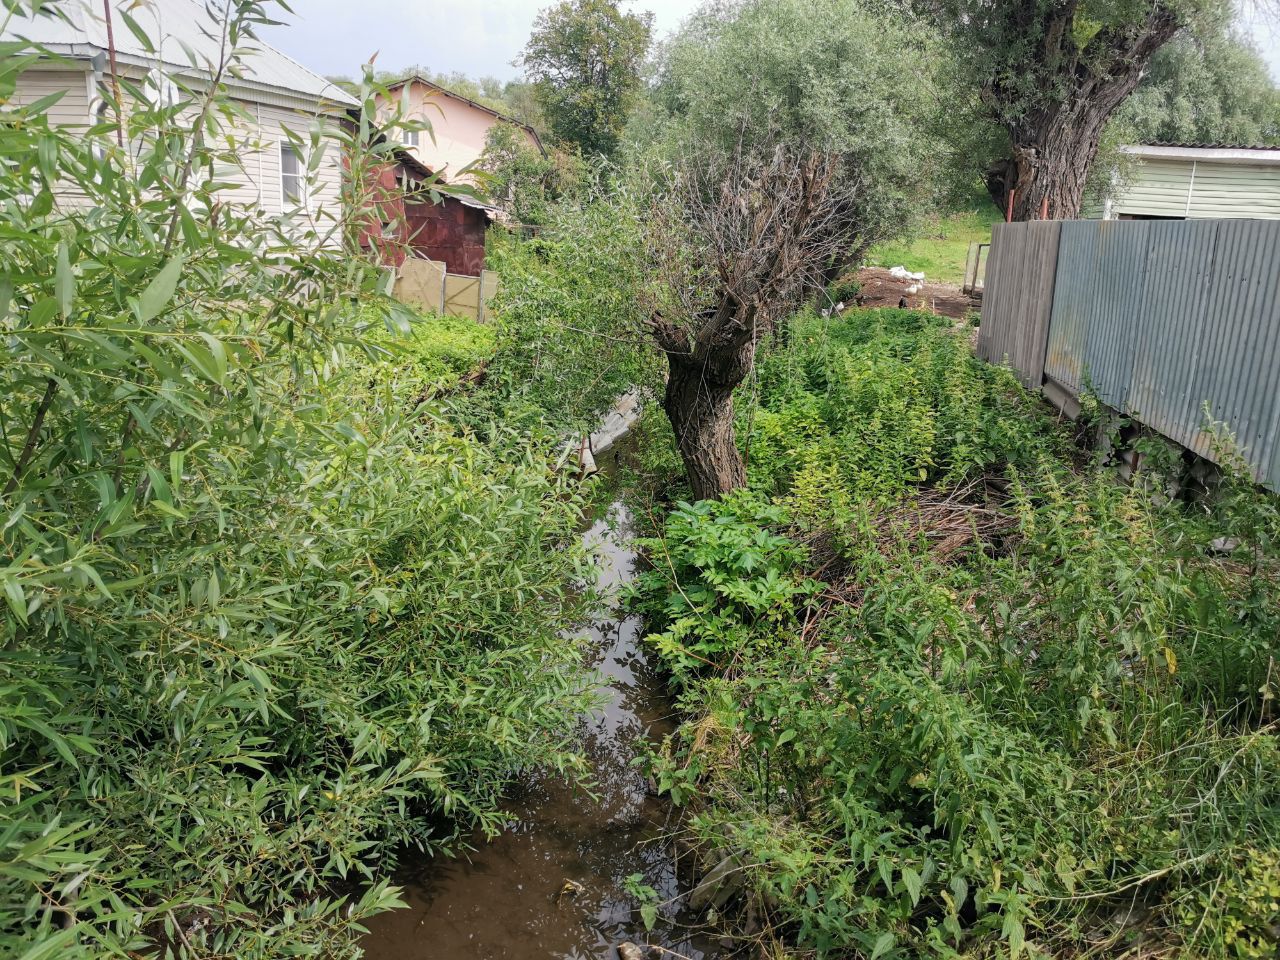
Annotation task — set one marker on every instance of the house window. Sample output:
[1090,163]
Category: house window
[291,174]
[411,138]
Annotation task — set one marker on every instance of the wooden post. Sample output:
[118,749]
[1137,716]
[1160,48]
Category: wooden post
[1008,214]
[115,76]
[1044,209]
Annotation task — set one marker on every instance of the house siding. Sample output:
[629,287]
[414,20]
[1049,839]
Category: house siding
[399,226]
[449,231]
[458,133]
[254,138]
[72,110]
[1200,190]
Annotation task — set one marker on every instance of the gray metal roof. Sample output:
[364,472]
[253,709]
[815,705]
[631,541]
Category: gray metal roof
[1205,153]
[185,37]
[1189,145]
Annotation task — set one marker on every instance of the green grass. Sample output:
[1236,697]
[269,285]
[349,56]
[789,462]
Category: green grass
[941,247]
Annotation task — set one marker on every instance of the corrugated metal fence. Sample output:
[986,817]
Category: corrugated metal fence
[1019,283]
[1160,320]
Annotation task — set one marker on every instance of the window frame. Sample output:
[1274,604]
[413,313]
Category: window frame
[302,199]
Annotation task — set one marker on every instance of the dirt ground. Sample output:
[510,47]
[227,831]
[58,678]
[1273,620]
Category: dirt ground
[881,289]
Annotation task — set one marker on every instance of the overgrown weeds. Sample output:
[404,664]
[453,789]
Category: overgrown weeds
[269,613]
[954,691]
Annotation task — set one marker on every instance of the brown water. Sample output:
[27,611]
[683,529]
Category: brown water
[506,900]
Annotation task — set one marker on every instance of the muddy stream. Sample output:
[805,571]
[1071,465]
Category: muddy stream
[507,898]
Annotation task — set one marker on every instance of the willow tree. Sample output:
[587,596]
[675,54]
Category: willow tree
[796,133]
[737,242]
[1051,73]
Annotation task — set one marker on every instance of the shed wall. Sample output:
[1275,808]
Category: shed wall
[1201,190]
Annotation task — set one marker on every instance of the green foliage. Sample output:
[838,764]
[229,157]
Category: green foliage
[432,357]
[1237,916]
[1029,56]
[883,400]
[1027,722]
[569,312]
[268,616]
[584,59]
[742,581]
[844,290]
[1213,88]
[831,75]
[522,181]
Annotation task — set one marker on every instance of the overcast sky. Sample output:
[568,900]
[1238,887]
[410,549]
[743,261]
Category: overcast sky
[476,37]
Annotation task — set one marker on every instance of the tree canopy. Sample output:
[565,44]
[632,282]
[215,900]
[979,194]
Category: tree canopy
[584,59]
[827,73]
[1211,87]
[1052,73]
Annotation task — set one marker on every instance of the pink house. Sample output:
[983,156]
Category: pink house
[459,125]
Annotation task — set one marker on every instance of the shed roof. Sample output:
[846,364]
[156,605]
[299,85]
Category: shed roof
[419,169]
[419,78]
[185,36]
[1207,153]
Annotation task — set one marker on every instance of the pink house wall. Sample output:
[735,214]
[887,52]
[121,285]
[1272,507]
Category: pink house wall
[460,129]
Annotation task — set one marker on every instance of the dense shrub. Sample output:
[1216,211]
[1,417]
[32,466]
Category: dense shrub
[569,313]
[433,355]
[268,614]
[883,400]
[1029,710]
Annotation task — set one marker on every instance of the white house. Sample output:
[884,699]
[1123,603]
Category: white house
[1191,182]
[275,93]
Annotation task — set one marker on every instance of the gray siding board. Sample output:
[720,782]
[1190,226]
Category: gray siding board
[1018,296]
[1160,320]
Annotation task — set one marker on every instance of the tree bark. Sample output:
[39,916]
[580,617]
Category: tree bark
[1054,146]
[1052,169]
[699,404]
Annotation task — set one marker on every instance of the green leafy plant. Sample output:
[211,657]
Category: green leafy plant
[1031,709]
[270,615]
[720,580]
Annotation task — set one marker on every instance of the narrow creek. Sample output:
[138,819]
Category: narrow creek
[508,898]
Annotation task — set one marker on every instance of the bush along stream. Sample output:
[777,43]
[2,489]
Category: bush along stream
[580,869]
[950,688]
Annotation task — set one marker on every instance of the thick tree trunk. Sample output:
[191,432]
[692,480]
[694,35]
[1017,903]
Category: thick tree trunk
[1054,146]
[699,404]
[1052,171]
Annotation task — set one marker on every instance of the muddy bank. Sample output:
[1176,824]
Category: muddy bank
[554,883]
